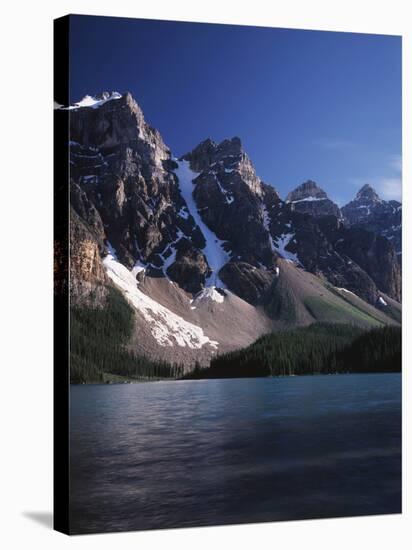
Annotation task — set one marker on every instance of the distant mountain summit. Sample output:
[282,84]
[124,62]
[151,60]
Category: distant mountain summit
[231,199]
[367,193]
[364,204]
[309,198]
[306,191]
[369,211]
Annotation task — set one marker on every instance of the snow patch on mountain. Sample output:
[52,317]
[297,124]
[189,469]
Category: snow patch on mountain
[183,213]
[215,254]
[170,259]
[209,294]
[138,268]
[166,327]
[345,290]
[309,199]
[280,244]
[112,251]
[90,101]
[228,196]
[266,225]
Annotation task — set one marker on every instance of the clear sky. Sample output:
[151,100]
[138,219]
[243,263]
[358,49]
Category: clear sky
[306,104]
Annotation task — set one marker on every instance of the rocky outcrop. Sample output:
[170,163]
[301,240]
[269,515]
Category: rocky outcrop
[89,214]
[311,243]
[368,210]
[374,255]
[230,198]
[308,198]
[247,281]
[119,122]
[361,208]
[87,275]
[125,169]
[190,267]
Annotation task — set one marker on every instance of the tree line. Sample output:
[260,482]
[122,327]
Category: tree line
[321,348]
[98,339]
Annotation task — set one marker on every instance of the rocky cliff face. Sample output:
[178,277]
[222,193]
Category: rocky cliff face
[208,225]
[126,170]
[87,275]
[231,199]
[368,210]
[368,261]
[375,255]
[308,198]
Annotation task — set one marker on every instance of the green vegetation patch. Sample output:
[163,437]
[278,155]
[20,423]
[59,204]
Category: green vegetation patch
[321,348]
[327,310]
[394,312]
[280,304]
[98,339]
[377,350]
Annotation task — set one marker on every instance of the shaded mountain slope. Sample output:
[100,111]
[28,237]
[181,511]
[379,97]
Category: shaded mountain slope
[368,210]
[299,297]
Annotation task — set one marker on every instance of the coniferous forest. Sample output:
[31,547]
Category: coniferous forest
[98,340]
[321,348]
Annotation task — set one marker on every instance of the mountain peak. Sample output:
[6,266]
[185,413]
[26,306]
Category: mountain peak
[367,192]
[93,101]
[208,152]
[111,119]
[367,209]
[233,145]
[309,198]
[306,191]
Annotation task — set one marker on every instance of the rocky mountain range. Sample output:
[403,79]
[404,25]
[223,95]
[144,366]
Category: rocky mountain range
[368,210]
[208,254]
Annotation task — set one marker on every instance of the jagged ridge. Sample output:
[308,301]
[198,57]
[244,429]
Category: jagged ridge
[208,220]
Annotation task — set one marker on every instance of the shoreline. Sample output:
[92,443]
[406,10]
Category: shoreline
[134,381]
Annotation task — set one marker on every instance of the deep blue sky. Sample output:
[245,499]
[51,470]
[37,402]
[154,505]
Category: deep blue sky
[306,104]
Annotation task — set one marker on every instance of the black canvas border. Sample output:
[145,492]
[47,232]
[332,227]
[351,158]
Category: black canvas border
[61,386]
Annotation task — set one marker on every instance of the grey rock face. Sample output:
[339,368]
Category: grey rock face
[115,123]
[382,217]
[376,256]
[247,281]
[190,267]
[231,199]
[308,198]
[87,212]
[234,203]
[126,171]
[87,275]
[313,243]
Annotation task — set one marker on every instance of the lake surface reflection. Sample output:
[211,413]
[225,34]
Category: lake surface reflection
[191,453]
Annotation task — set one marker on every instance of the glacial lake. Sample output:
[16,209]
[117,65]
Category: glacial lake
[213,452]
